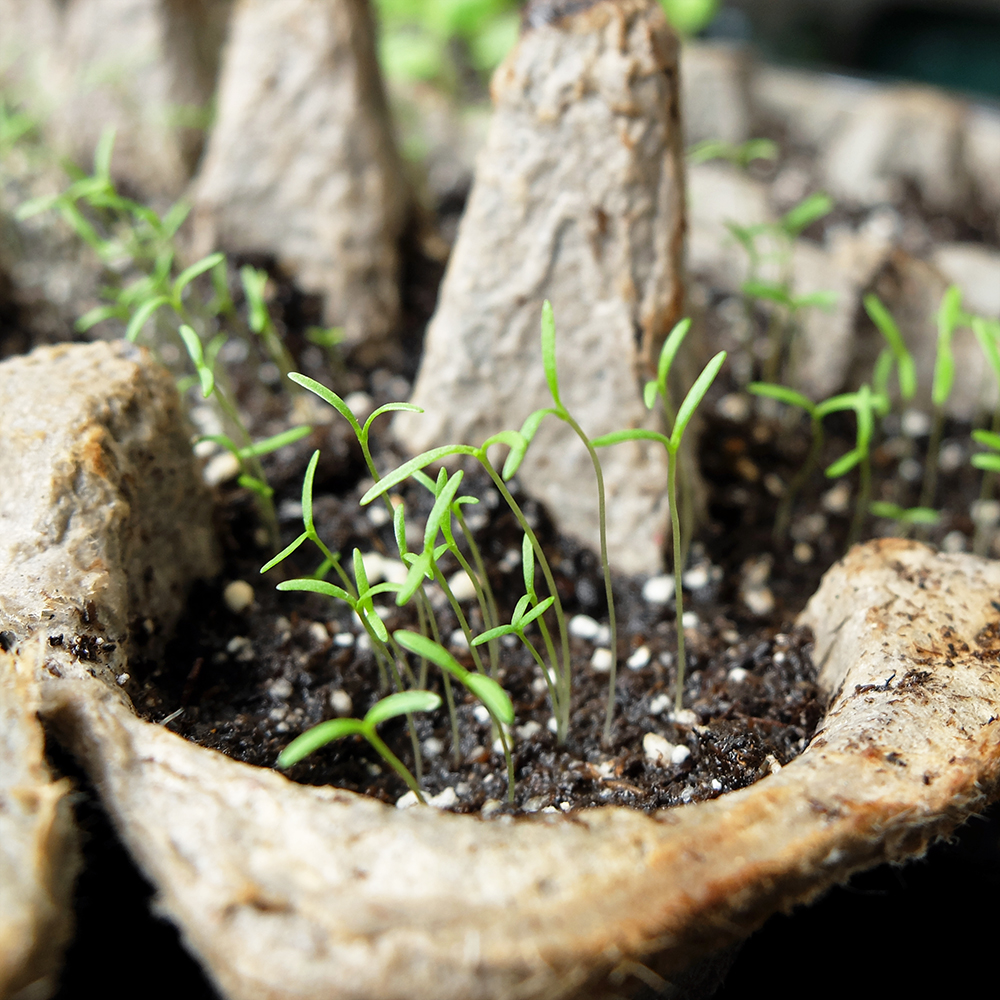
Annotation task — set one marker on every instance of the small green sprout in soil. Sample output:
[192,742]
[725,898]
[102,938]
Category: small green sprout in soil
[424,567]
[134,240]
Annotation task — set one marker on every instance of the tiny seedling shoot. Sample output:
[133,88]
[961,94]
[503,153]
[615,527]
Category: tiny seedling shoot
[673,444]
[401,703]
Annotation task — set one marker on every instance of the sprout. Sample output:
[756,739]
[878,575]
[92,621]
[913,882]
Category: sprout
[401,703]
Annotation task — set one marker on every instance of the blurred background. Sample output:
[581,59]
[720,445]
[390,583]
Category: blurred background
[949,43]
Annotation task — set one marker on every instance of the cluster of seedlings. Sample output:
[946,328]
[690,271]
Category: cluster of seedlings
[194,308]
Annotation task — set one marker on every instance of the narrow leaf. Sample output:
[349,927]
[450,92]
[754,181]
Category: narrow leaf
[549,351]
[388,481]
[284,553]
[783,394]
[142,315]
[432,651]
[668,353]
[630,434]
[307,493]
[528,566]
[328,396]
[318,736]
[489,692]
[401,703]
[317,587]
[806,212]
[694,397]
[190,273]
[275,442]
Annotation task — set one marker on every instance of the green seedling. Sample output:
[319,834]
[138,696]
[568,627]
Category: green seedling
[785,306]
[660,387]
[528,610]
[479,577]
[894,353]
[517,444]
[949,318]
[673,444]
[559,411]
[792,398]
[865,405]
[906,517]
[401,703]
[259,318]
[740,155]
[784,316]
[136,242]
[486,689]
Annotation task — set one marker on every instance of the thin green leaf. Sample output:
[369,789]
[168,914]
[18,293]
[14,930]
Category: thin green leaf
[255,485]
[390,408]
[766,291]
[821,299]
[783,394]
[694,397]
[986,461]
[988,345]
[370,615]
[98,315]
[420,570]
[317,587]
[193,345]
[630,434]
[401,703]
[102,154]
[312,739]
[441,508]
[536,612]
[668,353]
[519,610]
[388,481]
[360,574]
[528,566]
[190,273]
[276,441]
[307,493]
[399,528]
[530,426]
[489,692]
[432,651]
[284,553]
[142,315]
[844,463]
[649,394]
[328,396]
[549,351]
[987,438]
[494,633]
[806,212]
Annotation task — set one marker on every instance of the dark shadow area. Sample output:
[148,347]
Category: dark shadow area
[891,932]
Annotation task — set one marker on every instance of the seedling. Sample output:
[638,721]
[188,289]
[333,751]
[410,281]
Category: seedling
[672,444]
[130,237]
[894,352]
[528,430]
[948,319]
[740,155]
[792,398]
[487,690]
[865,405]
[401,703]
[905,517]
